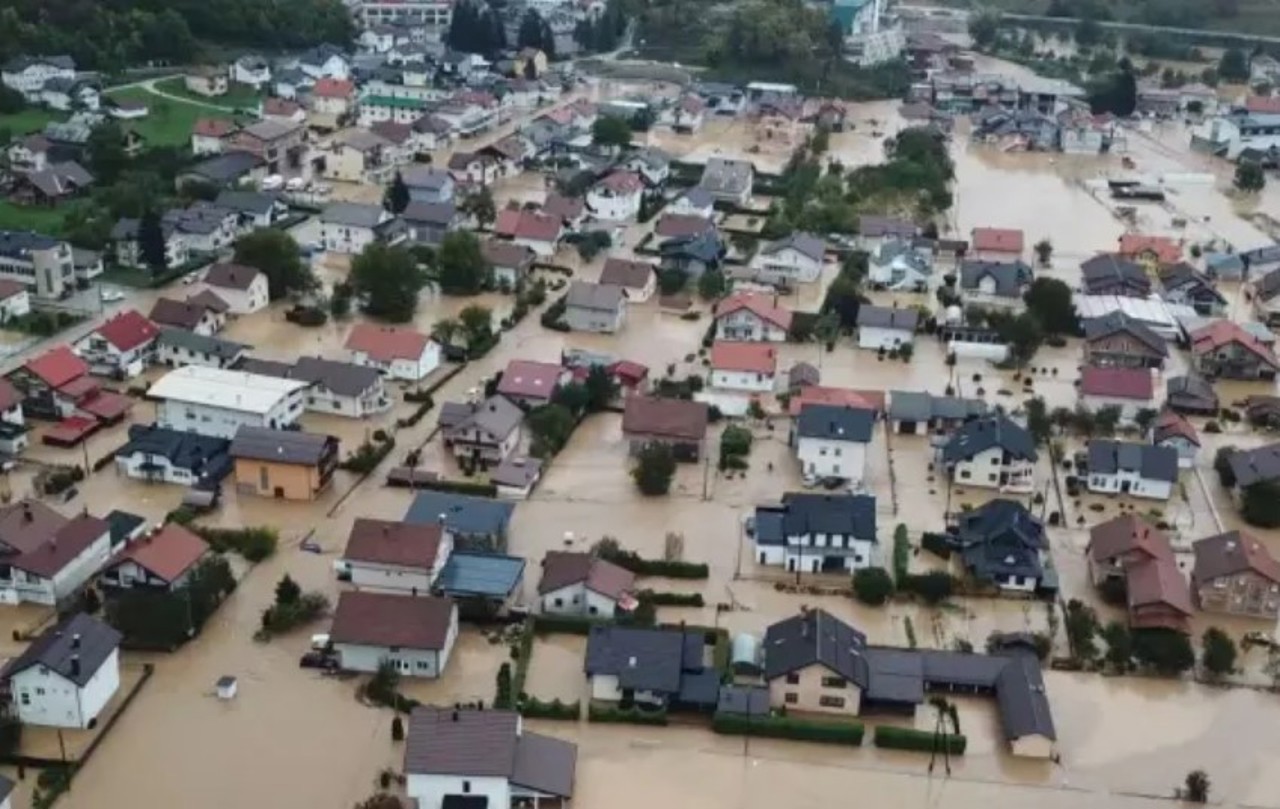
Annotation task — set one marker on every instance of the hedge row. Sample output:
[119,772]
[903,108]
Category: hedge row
[896,738]
[665,568]
[423,408]
[565,624]
[459,487]
[786,727]
[555,709]
[936,544]
[630,716]
[671,599]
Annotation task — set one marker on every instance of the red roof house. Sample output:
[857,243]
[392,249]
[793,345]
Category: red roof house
[1135,384]
[1160,249]
[1005,242]
[758,358]
[57,366]
[531,382]
[747,316]
[163,558]
[400,352]
[333,88]
[213,128]
[1224,349]
[128,331]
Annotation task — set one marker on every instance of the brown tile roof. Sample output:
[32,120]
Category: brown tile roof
[26,525]
[506,254]
[1122,383]
[57,366]
[333,88]
[841,397]
[678,419]
[128,330]
[393,543]
[626,273]
[168,553]
[379,619]
[528,378]
[63,546]
[1231,553]
[764,306]
[1170,424]
[1126,534]
[213,128]
[1156,583]
[760,358]
[1165,249]
[10,287]
[564,568]
[392,131]
[210,300]
[231,276]
[538,227]
[386,343]
[674,225]
[567,208]
[623,182]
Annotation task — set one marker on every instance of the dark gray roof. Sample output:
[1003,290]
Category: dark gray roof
[597,297]
[876,226]
[203,456]
[697,197]
[906,405]
[768,525]
[1268,285]
[496,415]
[1107,269]
[342,378]
[1114,322]
[418,176]
[430,213]
[1192,386]
[1009,276]
[227,167]
[123,525]
[895,676]
[835,423]
[255,202]
[815,637]
[16,243]
[641,659]
[806,244]
[544,764]
[887,317]
[199,343]
[1023,703]
[463,514]
[352,214]
[1150,462]
[75,648]
[980,435]
[281,446]
[723,175]
[1001,538]
[1194,284]
[853,514]
[1254,465]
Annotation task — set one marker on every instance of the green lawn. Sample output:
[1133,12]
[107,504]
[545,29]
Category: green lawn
[29,120]
[31,217]
[169,122]
[239,96]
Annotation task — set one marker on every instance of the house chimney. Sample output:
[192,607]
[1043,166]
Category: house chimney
[75,665]
[75,641]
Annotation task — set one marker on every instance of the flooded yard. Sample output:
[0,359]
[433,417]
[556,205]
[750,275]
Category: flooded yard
[555,669]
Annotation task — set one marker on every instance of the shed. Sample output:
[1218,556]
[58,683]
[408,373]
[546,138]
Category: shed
[745,657]
[227,687]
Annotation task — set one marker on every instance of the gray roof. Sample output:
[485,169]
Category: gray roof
[203,456]
[835,423]
[352,214]
[806,244]
[1106,269]
[463,513]
[905,405]
[480,575]
[342,378]
[1021,698]
[419,176]
[1096,328]
[805,513]
[518,472]
[1001,538]
[743,700]
[1192,386]
[1150,462]
[1009,276]
[886,317]
[723,175]
[255,202]
[497,416]
[17,243]
[1254,465]
[75,649]
[600,297]
[270,129]
[876,226]
[980,435]
[227,167]
[1268,286]
[60,179]
[641,658]
[815,637]
[431,213]
[281,446]
[698,197]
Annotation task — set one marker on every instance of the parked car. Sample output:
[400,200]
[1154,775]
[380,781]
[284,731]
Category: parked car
[110,295]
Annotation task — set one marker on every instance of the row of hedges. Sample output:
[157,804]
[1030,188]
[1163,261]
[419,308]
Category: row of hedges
[666,568]
[423,408]
[786,727]
[459,487]
[368,455]
[926,741]
[671,599]
[535,708]
[629,716]
[936,544]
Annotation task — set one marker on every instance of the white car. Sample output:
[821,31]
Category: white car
[111,295]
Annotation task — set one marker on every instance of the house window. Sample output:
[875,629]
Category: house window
[466,786]
[39,692]
[831,702]
[790,699]
[559,602]
[995,461]
[833,682]
[793,678]
[26,698]
[964,474]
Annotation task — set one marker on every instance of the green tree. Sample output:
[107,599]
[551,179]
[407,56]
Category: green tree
[1023,332]
[844,298]
[1044,252]
[549,428]
[480,206]
[1233,66]
[1250,178]
[572,397]
[1038,422]
[276,255]
[1082,628]
[287,591]
[1088,32]
[151,243]
[712,284]
[984,28]
[1050,300]
[1219,652]
[105,149]
[611,131]
[477,325]
[934,587]
[1144,418]
[1164,651]
[387,282]
[735,446]
[340,300]
[1106,419]
[396,198]
[11,100]
[445,330]
[872,586]
[1119,644]
[1222,465]
[460,264]
[1260,504]
[600,388]
[654,470]
[1197,787]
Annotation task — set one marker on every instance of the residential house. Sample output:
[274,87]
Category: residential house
[474,168]
[1114,274]
[1129,551]
[1150,251]
[325,61]
[600,308]
[428,184]
[67,675]
[832,442]
[686,115]
[395,557]
[336,388]
[209,82]
[217,402]
[1001,543]
[481,434]
[743,367]
[1172,430]
[203,227]
[530,383]
[29,74]
[1117,340]
[539,232]
[897,265]
[1129,389]
[360,156]
[796,259]
[874,231]
[473,522]
[656,667]
[816,663]
[910,411]
[458,758]
[511,263]
[728,180]
[226,170]
[52,383]
[1266,298]
[995,283]
[277,143]
[677,423]
[29,153]
[1224,266]
[15,300]
[429,222]
[692,255]
[1260,261]
[13,429]
[399,352]
[414,634]
[1235,574]
[515,477]
[682,225]
[209,135]
[637,279]
[886,328]
[617,197]
[814,533]
[178,347]
[162,455]
[752,317]
[121,347]
[399,109]
[653,166]
[163,559]
[46,558]
[284,111]
[255,209]
[40,262]
[65,95]
[1183,285]
[576,583]
[697,201]
[285,464]
[243,289]
[350,227]
[51,185]
[251,70]
[569,210]
[204,313]
[991,453]
[1124,467]
[1003,245]
[1224,350]
[1191,394]
[334,97]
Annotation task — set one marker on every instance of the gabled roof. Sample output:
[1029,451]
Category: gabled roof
[1125,535]
[980,435]
[333,88]
[1173,425]
[387,343]
[281,446]
[1116,322]
[918,406]
[806,244]
[998,240]
[1192,385]
[401,544]
[203,456]
[1118,383]
[678,419]
[387,620]
[1223,332]
[1150,462]
[128,330]
[353,214]
[597,297]
[462,513]
[199,343]
[1165,249]
[888,317]
[832,423]
[506,254]
[673,225]
[1009,276]
[497,416]
[529,378]
[626,273]
[231,276]
[1230,554]
[57,366]
[75,649]
[760,358]
[179,314]
[566,208]
[641,658]
[1106,269]
[762,306]
[563,568]
[1001,538]
[167,553]
[815,637]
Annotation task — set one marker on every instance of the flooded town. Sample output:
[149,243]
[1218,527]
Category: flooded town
[419,420]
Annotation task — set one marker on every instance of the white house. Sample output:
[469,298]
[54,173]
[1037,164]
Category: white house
[575,583]
[400,353]
[832,441]
[66,677]
[395,557]
[217,402]
[697,201]
[1123,467]
[481,433]
[414,633]
[251,70]
[1129,389]
[743,367]
[163,559]
[48,557]
[1171,429]
[817,532]
[325,61]
[886,328]
[995,283]
[796,259]
[752,318]
[15,299]
[350,227]
[29,74]
[486,754]
[991,453]
[243,288]
[898,265]
[160,455]
[617,197]
[178,347]
[121,347]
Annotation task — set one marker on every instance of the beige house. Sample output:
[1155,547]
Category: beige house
[208,81]
[813,663]
[1234,574]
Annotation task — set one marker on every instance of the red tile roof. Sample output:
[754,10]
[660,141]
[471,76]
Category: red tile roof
[333,88]
[840,397]
[997,240]
[62,548]
[9,288]
[1125,535]
[58,366]
[764,307]
[387,343]
[1137,245]
[564,568]
[1224,332]
[394,543]
[281,107]
[1170,424]
[378,619]
[530,379]
[507,222]
[538,227]
[623,182]
[398,134]
[1119,383]
[1264,104]
[760,358]
[567,208]
[128,330]
[676,419]
[168,553]
[213,128]
[1153,588]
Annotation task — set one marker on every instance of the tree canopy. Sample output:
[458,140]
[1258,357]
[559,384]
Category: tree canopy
[396,198]
[1050,300]
[535,32]
[610,130]
[387,282]
[476,28]
[1250,177]
[1234,65]
[655,467]
[461,266]
[275,254]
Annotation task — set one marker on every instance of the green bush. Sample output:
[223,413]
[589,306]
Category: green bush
[254,544]
[667,568]
[896,738]
[786,727]
[629,716]
[901,554]
[423,408]
[872,586]
[671,599]
[280,617]
[367,456]
[936,544]
[555,709]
